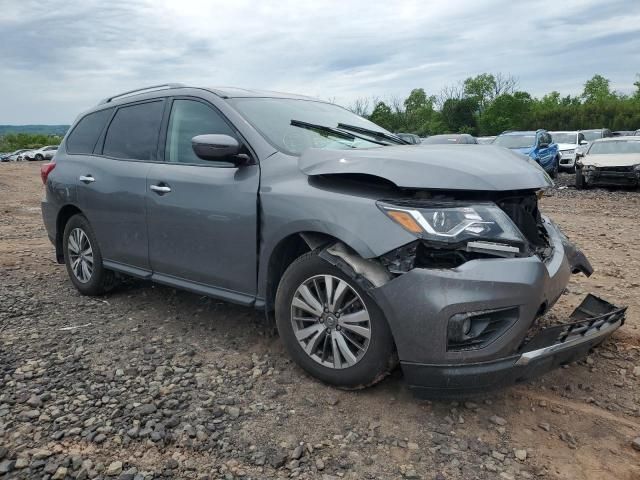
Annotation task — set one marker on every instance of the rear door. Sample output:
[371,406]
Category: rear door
[202,215]
[112,185]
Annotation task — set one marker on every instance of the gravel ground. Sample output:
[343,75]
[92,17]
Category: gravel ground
[149,382]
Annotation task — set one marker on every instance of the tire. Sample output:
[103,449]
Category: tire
[373,361]
[554,170]
[39,157]
[580,183]
[99,280]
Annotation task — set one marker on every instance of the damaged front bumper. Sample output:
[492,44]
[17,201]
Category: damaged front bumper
[504,297]
[628,176]
[549,349]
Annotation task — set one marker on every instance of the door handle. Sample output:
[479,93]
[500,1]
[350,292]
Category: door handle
[160,189]
[86,178]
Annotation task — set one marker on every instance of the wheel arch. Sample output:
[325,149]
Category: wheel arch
[63,217]
[285,252]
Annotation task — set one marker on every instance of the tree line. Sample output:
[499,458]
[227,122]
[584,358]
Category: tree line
[17,141]
[488,104]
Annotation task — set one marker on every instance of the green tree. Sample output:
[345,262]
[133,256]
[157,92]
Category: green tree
[458,115]
[418,112]
[507,112]
[637,85]
[481,88]
[597,89]
[383,116]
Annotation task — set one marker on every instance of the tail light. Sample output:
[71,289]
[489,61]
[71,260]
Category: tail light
[45,170]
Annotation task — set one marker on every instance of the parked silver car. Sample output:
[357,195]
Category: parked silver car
[43,153]
[14,156]
[368,250]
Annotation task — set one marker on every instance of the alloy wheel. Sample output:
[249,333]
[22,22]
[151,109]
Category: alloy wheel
[80,255]
[330,321]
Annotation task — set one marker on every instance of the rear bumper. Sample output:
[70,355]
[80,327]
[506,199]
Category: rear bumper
[549,349]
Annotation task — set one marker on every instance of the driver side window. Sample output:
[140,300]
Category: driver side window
[188,119]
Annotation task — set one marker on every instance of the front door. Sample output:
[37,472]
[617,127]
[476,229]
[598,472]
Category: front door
[202,215]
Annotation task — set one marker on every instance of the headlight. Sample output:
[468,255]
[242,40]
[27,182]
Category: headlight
[568,152]
[451,223]
[637,167]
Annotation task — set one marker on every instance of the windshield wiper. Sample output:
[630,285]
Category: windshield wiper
[333,131]
[373,133]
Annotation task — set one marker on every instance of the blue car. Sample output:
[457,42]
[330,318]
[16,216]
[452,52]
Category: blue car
[537,145]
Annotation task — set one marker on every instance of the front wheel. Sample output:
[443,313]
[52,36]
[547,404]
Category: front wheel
[554,168]
[580,183]
[83,258]
[331,327]
[39,157]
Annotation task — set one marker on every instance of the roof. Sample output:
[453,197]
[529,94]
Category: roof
[524,132]
[564,131]
[236,92]
[633,138]
[224,92]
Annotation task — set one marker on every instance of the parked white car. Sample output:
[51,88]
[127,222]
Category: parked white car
[569,145]
[44,153]
[14,156]
[485,140]
[610,161]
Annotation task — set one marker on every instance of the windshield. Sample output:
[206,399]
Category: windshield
[272,118]
[616,146]
[565,137]
[593,135]
[515,141]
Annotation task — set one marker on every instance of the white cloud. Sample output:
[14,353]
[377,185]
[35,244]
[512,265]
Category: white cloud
[60,57]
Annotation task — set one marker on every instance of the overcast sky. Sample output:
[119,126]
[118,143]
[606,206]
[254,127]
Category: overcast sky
[58,58]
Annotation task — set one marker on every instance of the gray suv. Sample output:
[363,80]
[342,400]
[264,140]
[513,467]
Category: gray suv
[368,250]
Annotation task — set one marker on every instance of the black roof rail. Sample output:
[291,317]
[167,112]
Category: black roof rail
[164,86]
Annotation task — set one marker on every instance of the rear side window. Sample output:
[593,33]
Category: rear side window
[133,132]
[84,136]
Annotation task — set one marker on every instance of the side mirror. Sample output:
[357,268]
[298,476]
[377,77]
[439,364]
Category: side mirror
[216,147]
[583,142]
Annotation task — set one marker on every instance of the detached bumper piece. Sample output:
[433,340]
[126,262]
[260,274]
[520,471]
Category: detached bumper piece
[591,323]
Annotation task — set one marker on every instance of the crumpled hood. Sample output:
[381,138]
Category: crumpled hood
[444,167]
[612,160]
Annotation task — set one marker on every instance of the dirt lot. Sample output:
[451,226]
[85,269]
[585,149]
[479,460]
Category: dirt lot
[156,383]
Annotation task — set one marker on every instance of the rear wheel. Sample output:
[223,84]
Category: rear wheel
[331,327]
[83,258]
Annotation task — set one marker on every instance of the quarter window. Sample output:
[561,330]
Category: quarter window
[84,136]
[188,119]
[133,132]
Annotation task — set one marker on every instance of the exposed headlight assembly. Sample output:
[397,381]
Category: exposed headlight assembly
[454,223]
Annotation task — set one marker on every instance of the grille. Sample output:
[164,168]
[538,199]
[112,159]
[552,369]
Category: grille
[616,169]
[524,212]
